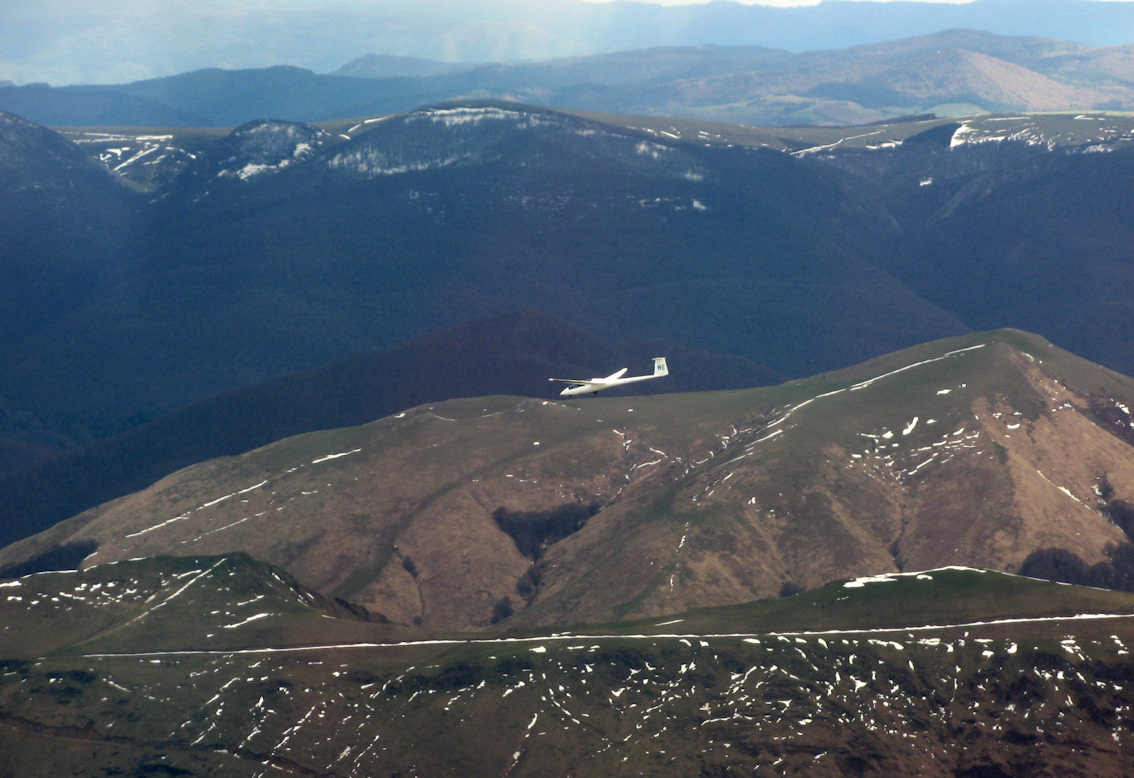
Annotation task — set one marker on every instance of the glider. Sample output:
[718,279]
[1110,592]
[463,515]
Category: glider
[596,385]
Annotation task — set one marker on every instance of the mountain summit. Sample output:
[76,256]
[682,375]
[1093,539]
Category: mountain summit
[997,451]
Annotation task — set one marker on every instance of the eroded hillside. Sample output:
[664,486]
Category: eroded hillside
[983,451]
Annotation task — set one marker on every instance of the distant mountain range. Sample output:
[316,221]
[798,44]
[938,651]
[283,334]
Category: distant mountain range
[951,72]
[118,41]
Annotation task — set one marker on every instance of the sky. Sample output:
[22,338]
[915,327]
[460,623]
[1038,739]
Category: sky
[796,3]
[779,3]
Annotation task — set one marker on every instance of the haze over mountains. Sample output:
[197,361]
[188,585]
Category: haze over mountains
[952,72]
[444,215]
[62,42]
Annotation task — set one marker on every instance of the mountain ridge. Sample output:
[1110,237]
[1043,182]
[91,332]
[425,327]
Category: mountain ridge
[707,498]
[954,71]
[511,354]
[118,43]
[221,235]
[455,213]
[223,664]
[141,661]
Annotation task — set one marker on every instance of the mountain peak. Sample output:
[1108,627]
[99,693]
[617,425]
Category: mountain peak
[266,146]
[28,149]
[531,141]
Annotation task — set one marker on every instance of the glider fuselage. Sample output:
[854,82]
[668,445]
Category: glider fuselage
[596,385]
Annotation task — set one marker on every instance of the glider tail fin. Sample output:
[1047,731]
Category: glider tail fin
[660,367]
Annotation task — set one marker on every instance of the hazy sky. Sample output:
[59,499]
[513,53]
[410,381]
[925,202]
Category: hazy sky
[791,3]
[781,3]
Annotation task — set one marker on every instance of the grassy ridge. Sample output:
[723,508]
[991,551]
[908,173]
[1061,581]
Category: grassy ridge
[224,604]
[1022,697]
[702,498]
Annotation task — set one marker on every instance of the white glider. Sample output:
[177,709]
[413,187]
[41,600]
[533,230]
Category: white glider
[596,385]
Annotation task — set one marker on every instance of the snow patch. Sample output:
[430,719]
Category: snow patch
[335,456]
[248,620]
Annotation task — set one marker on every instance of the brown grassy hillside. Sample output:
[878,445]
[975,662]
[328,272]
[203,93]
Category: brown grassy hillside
[980,451]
